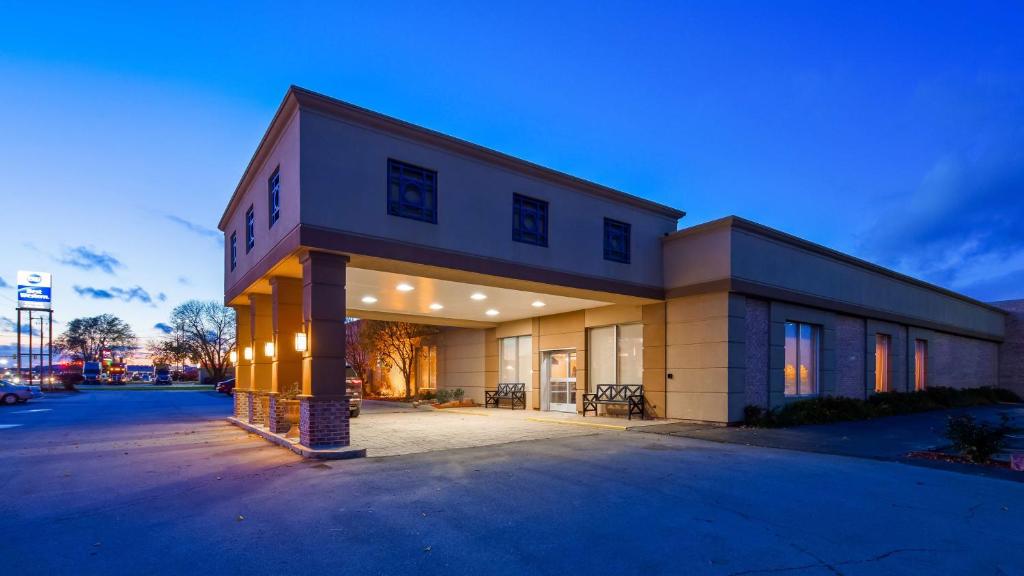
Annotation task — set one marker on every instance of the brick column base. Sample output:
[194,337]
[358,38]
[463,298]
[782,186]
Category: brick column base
[258,414]
[275,415]
[323,422]
[243,404]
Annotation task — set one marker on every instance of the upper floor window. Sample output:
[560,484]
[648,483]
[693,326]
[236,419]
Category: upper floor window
[803,342]
[234,250]
[529,220]
[616,241]
[274,195]
[250,230]
[412,191]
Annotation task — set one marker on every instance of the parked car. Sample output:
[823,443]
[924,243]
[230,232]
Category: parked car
[226,386]
[354,385]
[147,378]
[11,393]
[163,376]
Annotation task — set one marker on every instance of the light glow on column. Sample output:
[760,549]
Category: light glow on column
[268,349]
[233,357]
[300,342]
[247,353]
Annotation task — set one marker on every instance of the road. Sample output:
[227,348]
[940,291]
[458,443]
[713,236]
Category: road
[157,483]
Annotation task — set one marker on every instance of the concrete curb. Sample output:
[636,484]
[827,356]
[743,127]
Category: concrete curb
[343,453]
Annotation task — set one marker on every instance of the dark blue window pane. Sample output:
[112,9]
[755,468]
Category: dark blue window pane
[250,230]
[274,196]
[412,192]
[234,250]
[529,220]
[616,241]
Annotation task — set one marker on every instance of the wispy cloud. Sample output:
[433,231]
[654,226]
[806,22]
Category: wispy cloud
[163,327]
[3,283]
[88,259]
[960,228]
[184,281]
[198,229]
[132,294]
[9,326]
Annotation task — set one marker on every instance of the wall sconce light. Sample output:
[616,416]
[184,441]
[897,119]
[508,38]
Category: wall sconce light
[247,353]
[268,349]
[300,342]
[233,357]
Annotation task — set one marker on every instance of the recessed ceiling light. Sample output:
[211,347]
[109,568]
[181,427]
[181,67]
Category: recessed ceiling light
[403,287]
[538,304]
[478,296]
[436,306]
[491,312]
[369,299]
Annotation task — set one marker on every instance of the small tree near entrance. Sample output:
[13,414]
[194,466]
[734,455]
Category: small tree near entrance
[359,350]
[397,345]
[204,331]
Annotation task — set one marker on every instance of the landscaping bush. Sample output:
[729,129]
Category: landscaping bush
[836,409]
[457,394]
[444,396]
[977,441]
[427,395]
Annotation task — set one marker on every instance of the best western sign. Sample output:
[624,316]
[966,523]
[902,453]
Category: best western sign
[34,290]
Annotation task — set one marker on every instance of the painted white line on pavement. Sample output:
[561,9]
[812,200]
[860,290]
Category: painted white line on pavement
[2,426]
[31,411]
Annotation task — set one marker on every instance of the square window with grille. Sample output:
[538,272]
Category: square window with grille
[250,230]
[616,241]
[412,192]
[274,196]
[529,220]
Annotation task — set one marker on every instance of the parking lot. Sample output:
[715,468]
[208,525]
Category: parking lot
[159,483]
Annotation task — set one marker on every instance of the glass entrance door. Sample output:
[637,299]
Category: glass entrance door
[559,380]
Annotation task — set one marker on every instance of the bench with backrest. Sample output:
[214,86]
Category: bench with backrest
[515,393]
[629,395]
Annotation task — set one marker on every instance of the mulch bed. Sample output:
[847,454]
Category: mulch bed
[955,459]
[456,404]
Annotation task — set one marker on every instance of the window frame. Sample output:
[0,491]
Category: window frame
[816,342]
[233,250]
[883,343]
[625,229]
[539,208]
[250,229]
[920,364]
[616,363]
[397,207]
[274,197]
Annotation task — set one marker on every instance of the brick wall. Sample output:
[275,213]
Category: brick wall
[323,423]
[960,362]
[850,368]
[756,353]
[1011,351]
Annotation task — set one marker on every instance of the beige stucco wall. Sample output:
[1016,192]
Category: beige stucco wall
[461,361]
[284,153]
[344,172]
[704,357]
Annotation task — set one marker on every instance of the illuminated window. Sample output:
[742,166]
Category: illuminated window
[615,355]
[803,343]
[616,241]
[920,364]
[529,220]
[250,230]
[274,196]
[412,192]
[234,250]
[516,354]
[882,344]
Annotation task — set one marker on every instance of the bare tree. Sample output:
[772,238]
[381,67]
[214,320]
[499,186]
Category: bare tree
[397,344]
[359,349]
[205,331]
[86,338]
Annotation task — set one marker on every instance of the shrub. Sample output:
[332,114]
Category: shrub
[426,395]
[836,409]
[444,396]
[977,441]
[457,394]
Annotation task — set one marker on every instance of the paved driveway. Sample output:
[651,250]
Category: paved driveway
[157,483]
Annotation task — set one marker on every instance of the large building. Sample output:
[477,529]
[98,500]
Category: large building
[545,279]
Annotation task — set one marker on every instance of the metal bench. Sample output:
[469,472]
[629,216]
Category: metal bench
[515,393]
[629,395]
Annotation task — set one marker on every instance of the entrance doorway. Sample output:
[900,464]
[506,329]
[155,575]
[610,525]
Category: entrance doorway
[558,380]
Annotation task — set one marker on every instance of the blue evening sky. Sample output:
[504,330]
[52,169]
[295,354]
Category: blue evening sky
[890,130]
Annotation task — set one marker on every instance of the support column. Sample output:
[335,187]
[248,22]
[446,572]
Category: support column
[243,368]
[262,329]
[286,369]
[323,407]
